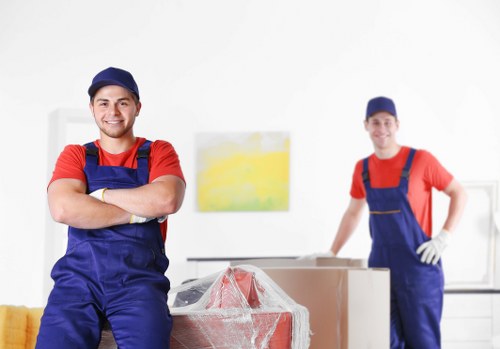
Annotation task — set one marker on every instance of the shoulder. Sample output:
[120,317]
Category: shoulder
[164,160]
[70,163]
[160,144]
[359,166]
[73,151]
[425,158]
[431,169]
[156,146]
[162,148]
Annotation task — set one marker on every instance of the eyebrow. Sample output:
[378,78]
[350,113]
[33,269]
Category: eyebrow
[119,99]
[382,119]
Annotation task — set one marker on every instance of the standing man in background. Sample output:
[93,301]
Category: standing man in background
[396,182]
[114,194]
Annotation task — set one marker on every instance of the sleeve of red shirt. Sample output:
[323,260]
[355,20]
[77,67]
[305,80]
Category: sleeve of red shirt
[164,161]
[70,164]
[435,175]
[357,186]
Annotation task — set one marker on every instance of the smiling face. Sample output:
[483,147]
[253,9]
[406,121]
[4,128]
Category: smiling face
[115,109]
[382,128]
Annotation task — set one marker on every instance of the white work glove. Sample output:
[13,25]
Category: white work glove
[433,249]
[326,254]
[99,194]
[138,219]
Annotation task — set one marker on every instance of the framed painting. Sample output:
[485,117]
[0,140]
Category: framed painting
[243,171]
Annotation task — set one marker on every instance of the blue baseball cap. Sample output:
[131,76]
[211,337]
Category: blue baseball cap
[379,104]
[114,76]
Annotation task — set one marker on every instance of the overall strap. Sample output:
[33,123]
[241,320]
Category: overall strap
[143,155]
[143,161]
[365,174]
[405,174]
[91,154]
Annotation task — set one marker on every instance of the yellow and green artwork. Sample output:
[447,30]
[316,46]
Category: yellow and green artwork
[243,171]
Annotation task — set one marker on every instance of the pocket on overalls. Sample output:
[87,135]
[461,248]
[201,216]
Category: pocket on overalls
[386,226]
[72,274]
[136,256]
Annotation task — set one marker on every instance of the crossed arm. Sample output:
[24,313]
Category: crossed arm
[69,203]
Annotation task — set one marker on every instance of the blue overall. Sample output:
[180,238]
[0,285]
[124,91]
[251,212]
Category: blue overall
[416,288]
[113,274]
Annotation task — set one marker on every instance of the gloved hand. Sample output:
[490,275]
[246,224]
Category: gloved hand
[138,219]
[99,194]
[432,249]
[318,255]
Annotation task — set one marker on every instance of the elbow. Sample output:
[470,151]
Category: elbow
[171,205]
[58,214]
[461,196]
[170,198]
[465,198]
[176,198]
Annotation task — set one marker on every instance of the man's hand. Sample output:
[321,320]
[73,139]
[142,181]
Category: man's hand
[326,254]
[432,249]
[138,219]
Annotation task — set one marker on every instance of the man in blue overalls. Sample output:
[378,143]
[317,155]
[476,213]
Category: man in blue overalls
[115,195]
[396,182]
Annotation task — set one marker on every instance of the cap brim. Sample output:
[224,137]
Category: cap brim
[94,87]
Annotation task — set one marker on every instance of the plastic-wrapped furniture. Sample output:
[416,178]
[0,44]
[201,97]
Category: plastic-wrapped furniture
[239,308]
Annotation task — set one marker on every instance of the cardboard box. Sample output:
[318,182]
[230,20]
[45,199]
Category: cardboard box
[348,307]
[313,262]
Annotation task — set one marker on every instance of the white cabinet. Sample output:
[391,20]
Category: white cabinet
[470,320]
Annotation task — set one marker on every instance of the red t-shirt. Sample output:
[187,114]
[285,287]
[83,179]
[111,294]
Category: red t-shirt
[426,173]
[163,160]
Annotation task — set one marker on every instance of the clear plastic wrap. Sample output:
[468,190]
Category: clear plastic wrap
[238,308]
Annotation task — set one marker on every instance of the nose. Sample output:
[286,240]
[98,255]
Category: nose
[114,109]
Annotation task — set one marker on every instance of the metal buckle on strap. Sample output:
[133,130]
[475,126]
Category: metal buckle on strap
[92,151]
[143,153]
[366,176]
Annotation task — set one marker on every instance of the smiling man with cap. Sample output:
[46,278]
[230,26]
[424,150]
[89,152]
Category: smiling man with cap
[114,194]
[396,181]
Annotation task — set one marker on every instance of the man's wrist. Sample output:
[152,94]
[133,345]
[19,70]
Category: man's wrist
[444,237]
[445,233]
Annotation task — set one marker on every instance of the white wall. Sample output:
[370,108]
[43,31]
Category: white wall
[307,68]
